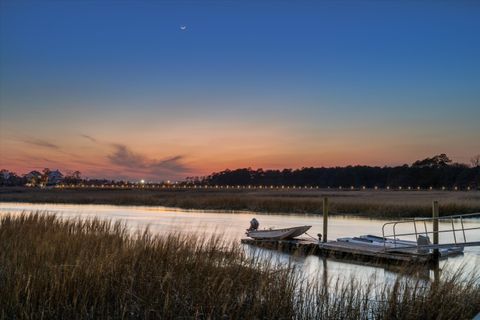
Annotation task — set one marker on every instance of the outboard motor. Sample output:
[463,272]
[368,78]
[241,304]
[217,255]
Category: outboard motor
[423,241]
[253,224]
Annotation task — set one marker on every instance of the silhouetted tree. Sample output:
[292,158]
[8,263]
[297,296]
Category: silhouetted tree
[437,161]
[475,161]
[10,179]
[45,173]
[73,178]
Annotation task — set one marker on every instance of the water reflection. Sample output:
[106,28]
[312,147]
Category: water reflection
[232,226]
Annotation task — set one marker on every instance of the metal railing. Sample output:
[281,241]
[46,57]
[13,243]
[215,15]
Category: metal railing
[453,220]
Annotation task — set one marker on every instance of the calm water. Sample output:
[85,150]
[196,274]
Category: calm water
[163,220]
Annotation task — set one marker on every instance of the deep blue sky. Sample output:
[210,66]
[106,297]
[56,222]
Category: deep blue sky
[288,83]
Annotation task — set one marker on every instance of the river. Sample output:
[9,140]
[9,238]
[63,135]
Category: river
[162,220]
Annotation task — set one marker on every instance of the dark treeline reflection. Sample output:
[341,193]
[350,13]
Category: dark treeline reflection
[436,172]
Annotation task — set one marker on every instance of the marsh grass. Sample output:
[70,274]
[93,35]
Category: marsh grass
[88,269]
[374,204]
[52,268]
[454,297]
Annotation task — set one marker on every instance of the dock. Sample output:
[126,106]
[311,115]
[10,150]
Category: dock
[426,254]
[345,251]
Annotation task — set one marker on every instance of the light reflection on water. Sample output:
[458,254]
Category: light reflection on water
[161,220]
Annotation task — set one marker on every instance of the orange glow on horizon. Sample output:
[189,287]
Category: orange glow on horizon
[195,149]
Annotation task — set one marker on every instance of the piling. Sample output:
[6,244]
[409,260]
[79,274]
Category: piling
[435,228]
[325,219]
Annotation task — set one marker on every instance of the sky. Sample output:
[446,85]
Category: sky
[162,90]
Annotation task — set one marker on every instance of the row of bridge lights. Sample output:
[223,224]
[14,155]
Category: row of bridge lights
[150,186]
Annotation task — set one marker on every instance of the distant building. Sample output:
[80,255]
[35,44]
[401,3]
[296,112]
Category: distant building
[34,178]
[5,174]
[54,177]
[33,175]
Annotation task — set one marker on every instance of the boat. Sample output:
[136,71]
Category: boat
[422,244]
[277,234]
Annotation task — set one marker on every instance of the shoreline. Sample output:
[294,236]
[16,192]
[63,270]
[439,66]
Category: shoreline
[368,204]
[199,211]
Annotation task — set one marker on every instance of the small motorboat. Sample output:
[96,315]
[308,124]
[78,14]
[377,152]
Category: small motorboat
[277,234]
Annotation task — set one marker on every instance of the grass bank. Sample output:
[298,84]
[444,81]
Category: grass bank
[375,204]
[52,269]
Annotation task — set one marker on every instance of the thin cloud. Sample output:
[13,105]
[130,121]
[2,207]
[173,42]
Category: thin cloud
[123,156]
[41,143]
[174,164]
[86,136]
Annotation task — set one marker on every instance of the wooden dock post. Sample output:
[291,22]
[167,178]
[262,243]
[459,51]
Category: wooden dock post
[435,228]
[325,219]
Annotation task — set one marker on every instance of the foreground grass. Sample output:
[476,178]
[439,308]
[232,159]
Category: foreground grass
[62,269]
[72,269]
[375,204]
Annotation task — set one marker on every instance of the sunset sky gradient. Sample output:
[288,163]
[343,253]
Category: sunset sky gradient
[116,89]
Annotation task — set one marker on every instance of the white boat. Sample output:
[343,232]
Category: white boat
[277,234]
[399,245]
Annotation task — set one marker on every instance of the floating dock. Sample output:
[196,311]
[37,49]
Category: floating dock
[345,251]
[426,254]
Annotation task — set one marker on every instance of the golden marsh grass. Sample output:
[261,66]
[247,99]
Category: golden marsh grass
[369,203]
[87,269]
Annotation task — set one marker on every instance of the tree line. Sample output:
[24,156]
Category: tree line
[435,172]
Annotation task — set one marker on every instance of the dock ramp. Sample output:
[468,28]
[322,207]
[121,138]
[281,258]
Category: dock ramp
[459,235]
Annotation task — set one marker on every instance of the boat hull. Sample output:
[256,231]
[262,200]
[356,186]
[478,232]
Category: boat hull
[278,234]
[396,245]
